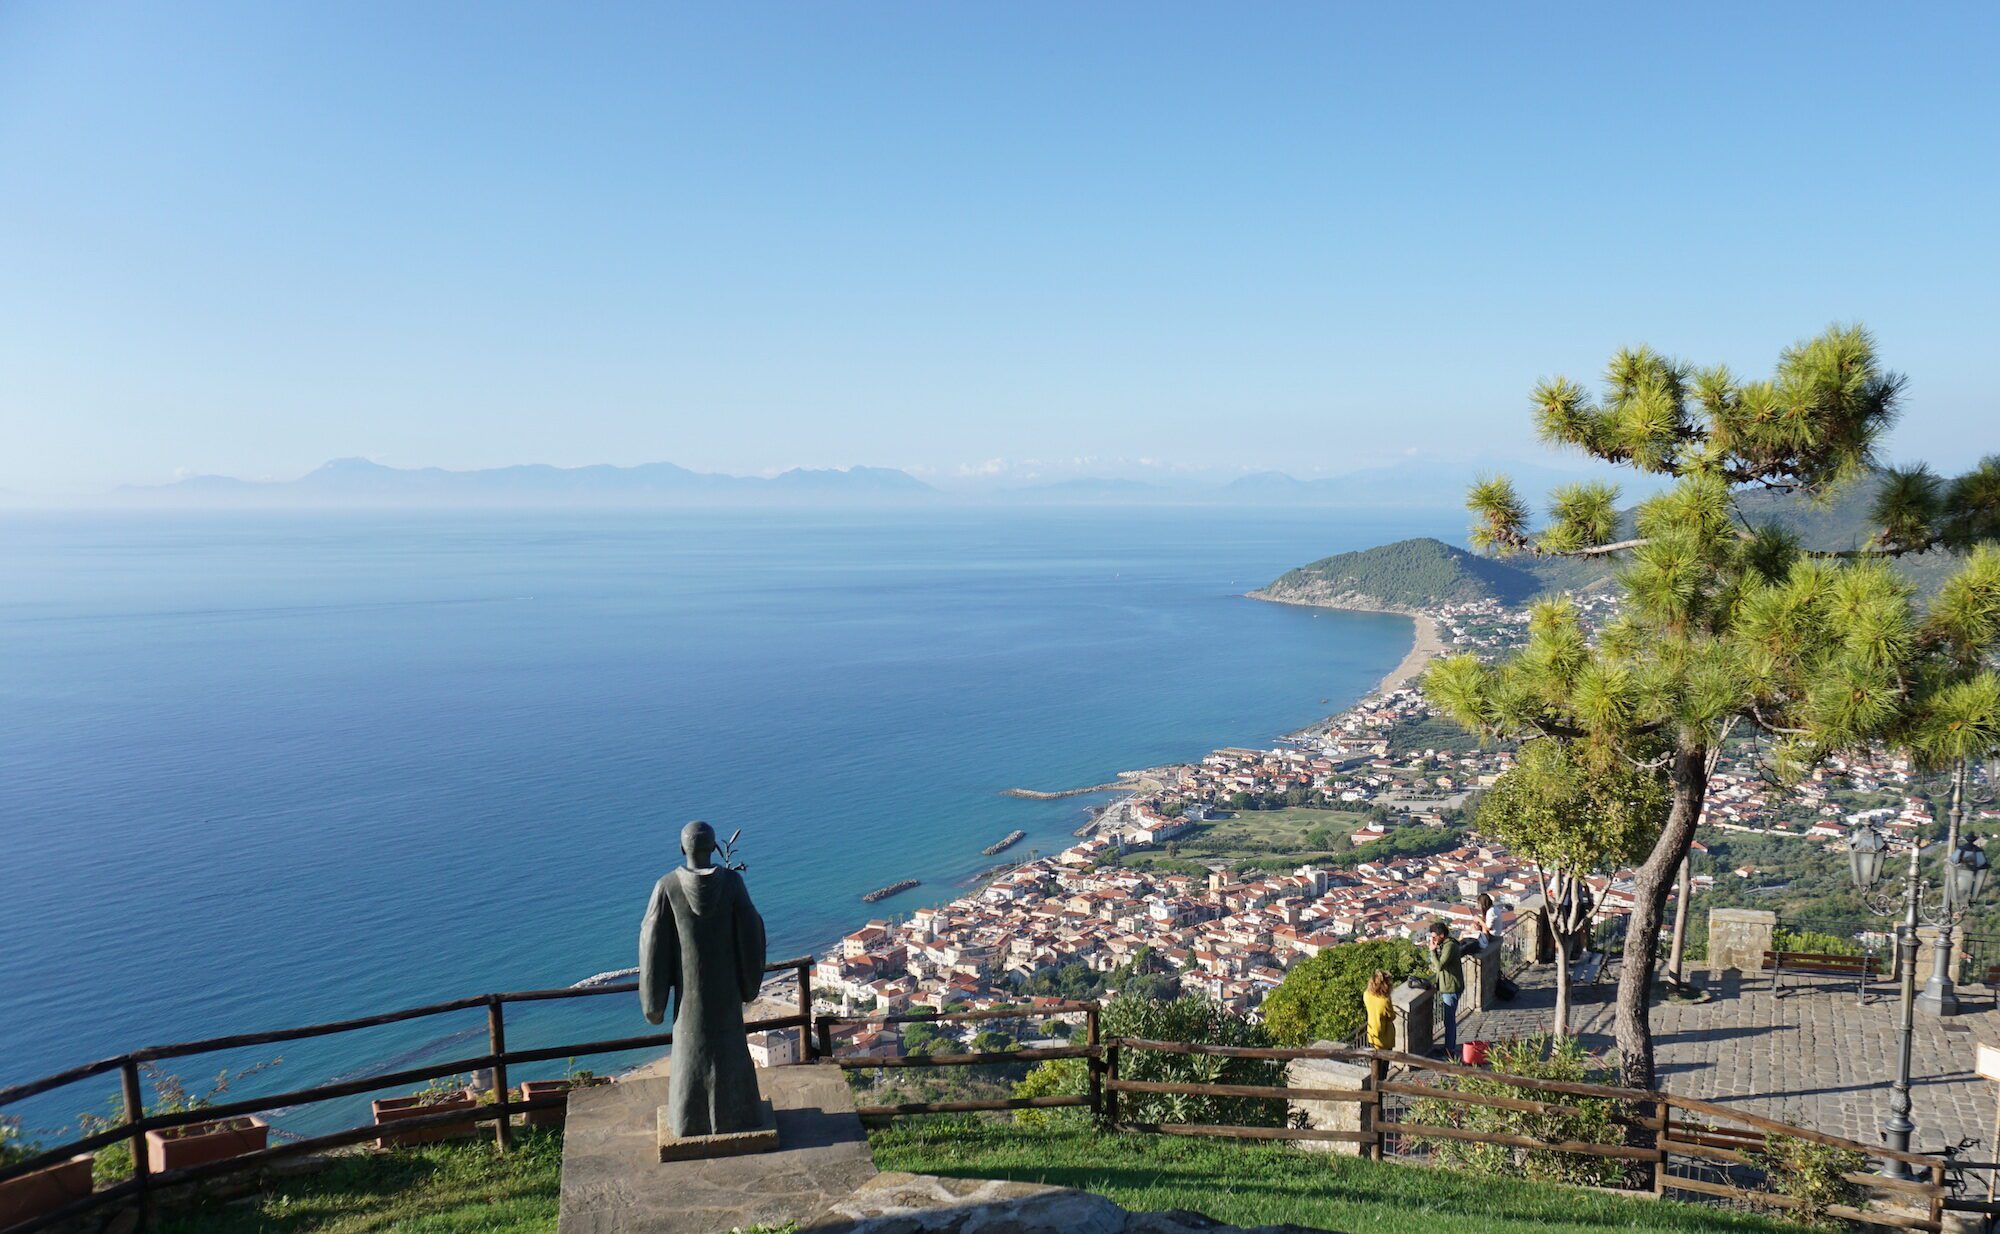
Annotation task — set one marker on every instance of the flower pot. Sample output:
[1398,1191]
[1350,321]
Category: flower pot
[201,1143]
[1474,1052]
[531,1089]
[44,1191]
[390,1110]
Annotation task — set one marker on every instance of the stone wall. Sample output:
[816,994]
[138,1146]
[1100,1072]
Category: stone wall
[1328,1115]
[1738,938]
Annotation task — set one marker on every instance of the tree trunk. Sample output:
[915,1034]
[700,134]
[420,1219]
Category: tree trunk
[1561,1028]
[1677,954]
[1688,777]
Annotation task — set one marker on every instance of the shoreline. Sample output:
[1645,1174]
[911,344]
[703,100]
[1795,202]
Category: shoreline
[1426,644]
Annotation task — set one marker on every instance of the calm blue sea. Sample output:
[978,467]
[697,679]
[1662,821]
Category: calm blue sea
[262,770]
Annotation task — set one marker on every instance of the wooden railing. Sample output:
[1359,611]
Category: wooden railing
[1667,1140]
[497,1058]
[862,1062]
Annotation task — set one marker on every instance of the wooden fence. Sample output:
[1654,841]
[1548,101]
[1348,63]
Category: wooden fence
[1669,1143]
[135,1122]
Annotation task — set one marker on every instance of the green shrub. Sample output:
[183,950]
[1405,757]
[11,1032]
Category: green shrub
[1814,1175]
[1812,942]
[14,1148]
[1190,1017]
[1320,999]
[1588,1120]
[171,1095]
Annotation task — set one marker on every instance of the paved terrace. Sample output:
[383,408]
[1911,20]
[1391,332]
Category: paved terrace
[1810,1056]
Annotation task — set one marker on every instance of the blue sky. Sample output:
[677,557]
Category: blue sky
[947,237]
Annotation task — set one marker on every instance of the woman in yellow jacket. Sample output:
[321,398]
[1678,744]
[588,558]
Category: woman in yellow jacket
[1381,1012]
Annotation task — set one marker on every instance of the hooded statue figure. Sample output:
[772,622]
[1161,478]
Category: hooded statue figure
[703,944]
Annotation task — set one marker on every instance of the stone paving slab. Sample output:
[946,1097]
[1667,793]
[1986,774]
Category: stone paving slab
[613,1181]
[1812,1056]
[899,1203]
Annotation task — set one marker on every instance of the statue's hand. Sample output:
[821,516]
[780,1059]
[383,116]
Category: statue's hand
[655,1017]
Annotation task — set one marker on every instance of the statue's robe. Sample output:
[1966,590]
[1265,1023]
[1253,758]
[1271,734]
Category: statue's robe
[703,944]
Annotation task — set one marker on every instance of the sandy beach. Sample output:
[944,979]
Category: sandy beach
[1428,644]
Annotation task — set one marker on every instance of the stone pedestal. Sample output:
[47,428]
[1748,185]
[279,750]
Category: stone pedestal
[1738,938]
[1531,934]
[760,1139]
[1328,1115]
[613,1181]
[1413,1018]
[1482,979]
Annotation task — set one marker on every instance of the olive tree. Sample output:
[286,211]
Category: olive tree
[1572,820]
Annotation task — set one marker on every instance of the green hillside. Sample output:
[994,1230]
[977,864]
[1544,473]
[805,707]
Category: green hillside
[1411,574]
[1414,573]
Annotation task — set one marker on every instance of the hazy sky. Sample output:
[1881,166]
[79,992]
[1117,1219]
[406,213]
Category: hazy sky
[248,238]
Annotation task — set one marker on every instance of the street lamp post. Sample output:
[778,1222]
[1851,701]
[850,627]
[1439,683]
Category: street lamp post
[1965,873]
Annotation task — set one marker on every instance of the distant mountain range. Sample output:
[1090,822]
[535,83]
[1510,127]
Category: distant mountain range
[356,481]
[1412,574]
[359,482]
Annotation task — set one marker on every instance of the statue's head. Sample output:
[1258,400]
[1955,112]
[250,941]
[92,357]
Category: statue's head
[697,842]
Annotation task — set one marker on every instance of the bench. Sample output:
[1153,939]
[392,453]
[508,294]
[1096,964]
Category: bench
[1861,968]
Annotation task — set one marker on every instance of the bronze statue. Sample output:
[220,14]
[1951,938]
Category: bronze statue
[703,943]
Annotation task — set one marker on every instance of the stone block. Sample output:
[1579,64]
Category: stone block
[761,1139]
[1531,936]
[1327,1115]
[1738,938]
[1414,1018]
[1482,979]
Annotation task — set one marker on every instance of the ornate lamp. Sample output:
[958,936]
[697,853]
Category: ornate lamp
[1865,852]
[1965,873]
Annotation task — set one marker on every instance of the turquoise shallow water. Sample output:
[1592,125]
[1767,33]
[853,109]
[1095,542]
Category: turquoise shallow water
[267,770]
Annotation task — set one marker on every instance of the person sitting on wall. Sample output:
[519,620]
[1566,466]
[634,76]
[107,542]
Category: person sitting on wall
[1490,922]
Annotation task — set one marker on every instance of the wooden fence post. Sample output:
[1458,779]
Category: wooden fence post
[496,1040]
[1662,1132]
[1371,1108]
[1094,1065]
[135,1110]
[805,1012]
[1111,1089]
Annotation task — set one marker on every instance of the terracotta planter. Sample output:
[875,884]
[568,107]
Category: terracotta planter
[390,1110]
[532,1089]
[44,1191]
[201,1143]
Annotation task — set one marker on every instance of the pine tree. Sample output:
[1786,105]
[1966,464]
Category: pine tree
[1726,625]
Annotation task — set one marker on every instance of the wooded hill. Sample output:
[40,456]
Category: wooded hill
[1411,574]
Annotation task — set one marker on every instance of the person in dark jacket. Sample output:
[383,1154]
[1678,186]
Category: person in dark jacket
[1449,976]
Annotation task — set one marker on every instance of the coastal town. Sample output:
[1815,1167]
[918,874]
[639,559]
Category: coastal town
[1125,898]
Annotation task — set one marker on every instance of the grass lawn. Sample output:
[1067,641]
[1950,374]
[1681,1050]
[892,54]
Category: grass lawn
[457,1188]
[1269,839]
[1254,1184]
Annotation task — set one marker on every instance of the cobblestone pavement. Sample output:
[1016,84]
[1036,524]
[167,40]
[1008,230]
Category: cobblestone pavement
[1811,1056]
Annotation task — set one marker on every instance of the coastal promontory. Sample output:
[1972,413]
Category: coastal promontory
[1409,575]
